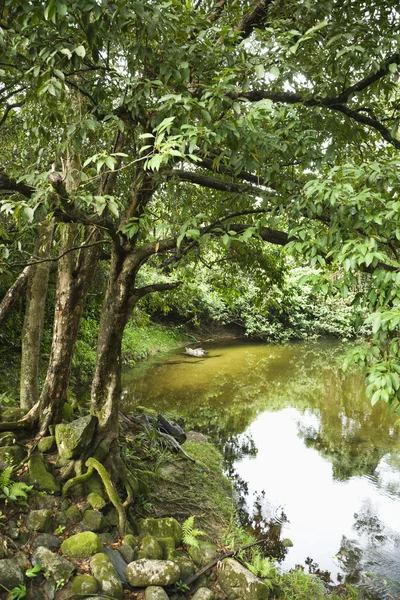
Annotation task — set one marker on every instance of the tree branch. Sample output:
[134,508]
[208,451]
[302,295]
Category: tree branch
[56,258]
[7,110]
[156,287]
[214,183]
[14,292]
[254,18]
[11,185]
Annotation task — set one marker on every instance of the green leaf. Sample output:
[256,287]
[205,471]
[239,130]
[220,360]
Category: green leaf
[80,51]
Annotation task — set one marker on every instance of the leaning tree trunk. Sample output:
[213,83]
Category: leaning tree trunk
[34,318]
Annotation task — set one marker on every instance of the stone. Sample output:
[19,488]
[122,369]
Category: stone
[112,517]
[73,438]
[107,538]
[82,545]
[203,554]
[168,546]
[238,582]
[95,486]
[59,568]
[84,584]
[96,501]
[47,444]
[106,575]
[131,540]
[94,520]
[39,520]
[145,572]
[150,548]
[12,413]
[47,541]
[186,566]
[40,477]
[73,514]
[203,594]
[119,563]
[154,592]
[161,528]
[128,552]
[196,437]
[12,455]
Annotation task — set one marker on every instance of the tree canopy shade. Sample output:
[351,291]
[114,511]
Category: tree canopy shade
[172,124]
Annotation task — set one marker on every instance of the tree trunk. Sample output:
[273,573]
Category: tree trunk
[14,292]
[34,319]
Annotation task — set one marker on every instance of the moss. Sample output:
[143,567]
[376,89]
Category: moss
[106,575]
[161,528]
[82,545]
[40,476]
[84,584]
[47,444]
[96,501]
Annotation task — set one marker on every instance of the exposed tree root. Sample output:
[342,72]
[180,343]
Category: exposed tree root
[17,425]
[77,480]
[92,463]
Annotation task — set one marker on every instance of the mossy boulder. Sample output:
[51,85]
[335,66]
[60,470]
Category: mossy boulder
[203,554]
[39,520]
[11,413]
[168,546]
[47,444]
[82,545]
[145,572]
[94,520]
[128,552]
[12,455]
[106,575]
[186,566]
[11,574]
[40,477]
[84,584]
[96,501]
[150,548]
[203,594]
[161,528]
[73,438]
[154,592]
[47,540]
[50,562]
[73,514]
[238,582]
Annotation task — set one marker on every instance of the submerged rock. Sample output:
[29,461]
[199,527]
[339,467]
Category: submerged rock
[144,573]
[82,545]
[161,528]
[238,582]
[106,575]
[72,438]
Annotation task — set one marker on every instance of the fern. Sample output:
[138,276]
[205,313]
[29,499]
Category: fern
[190,534]
[5,477]
[18,490]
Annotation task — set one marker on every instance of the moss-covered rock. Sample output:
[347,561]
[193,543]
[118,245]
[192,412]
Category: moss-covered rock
[96,501]
[106,575]
[39,520]
[11,413]
[84,584]
[73,514]
[94,520]
[161,528]
[47,444]
[12,455]
[11,574]
[203,554]
[82,545]
[40,477]
[238,582]
[131,540]
[186,566]
[150,548]
[50,562]
[203,594]
[168,546]
[144,572]
[154,592]
[47,540]
[73,438]
[94,485]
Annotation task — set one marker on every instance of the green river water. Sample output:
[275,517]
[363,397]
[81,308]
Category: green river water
[308,453]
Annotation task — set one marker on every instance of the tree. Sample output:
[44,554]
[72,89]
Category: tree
[189,123]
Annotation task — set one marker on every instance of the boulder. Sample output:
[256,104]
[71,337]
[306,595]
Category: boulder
[161,528]
[39,520]
[150,548]
[47,541]
[73,514]
[203,554]
[145,572]
[96,501]
[11,574]
[154,592]
[186,566]
[168,547]
[40,477]
[12,455]
[128,552]
[106,575]
[84,584]
[94,520]
[238,582]
[82,545]
[203,594]
[73,438]
[59,568]
[118,562]
[47,444]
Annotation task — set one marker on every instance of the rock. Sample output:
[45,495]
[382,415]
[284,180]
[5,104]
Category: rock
[39,500]
[161,528]
[40,477]
[203,594]
[186,566]
[107,538]
[145,572]
[131,541]
[238,582]
[119,563]
[112,517]
[11,574]
[96,501]
[73,514]
[94,520]
[128,552]
[84,584]
[82,545]
[47,444]
[168,546]
[47,541]
[196,437]
[203,554]
[59,568]
[39,520]
[106,575]
[73,438]
[95,486]
[154,592]
[11,413]
[150,548]
[12,455]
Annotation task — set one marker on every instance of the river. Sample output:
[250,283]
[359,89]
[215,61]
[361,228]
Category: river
[310,457]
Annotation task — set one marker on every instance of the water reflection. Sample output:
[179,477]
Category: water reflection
[293,426]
